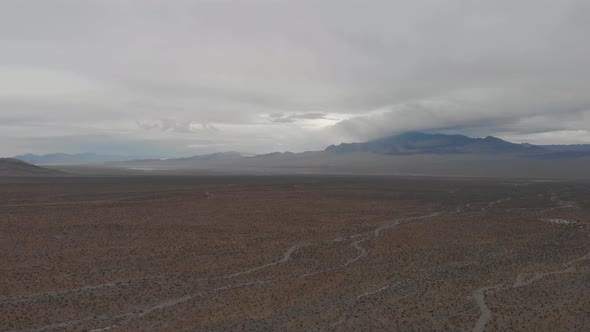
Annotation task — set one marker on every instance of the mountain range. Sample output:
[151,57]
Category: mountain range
[412,143]
[420,143]
[411,153]
[93,158]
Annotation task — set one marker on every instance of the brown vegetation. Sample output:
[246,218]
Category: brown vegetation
[293,253]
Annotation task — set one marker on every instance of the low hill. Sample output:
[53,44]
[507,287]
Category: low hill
[66,158]
[15,167]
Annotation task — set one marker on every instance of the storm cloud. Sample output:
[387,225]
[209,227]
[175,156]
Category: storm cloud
[186,77]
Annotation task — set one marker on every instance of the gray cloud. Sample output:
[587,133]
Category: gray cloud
[282,117]
[177,126]
[264,75]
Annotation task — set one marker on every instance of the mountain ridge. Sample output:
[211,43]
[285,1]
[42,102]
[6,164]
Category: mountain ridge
[412,143]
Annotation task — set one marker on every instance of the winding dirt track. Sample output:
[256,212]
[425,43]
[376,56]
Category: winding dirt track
[486,312]
[286,257]
[349,308]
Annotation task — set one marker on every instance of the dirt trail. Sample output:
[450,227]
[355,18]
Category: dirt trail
[486,312]
[349,308]
[286,257]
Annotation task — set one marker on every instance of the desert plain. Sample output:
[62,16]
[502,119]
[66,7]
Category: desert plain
[293,253]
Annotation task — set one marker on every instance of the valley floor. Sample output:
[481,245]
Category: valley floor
[297,253]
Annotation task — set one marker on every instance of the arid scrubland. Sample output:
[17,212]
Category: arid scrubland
[307,253]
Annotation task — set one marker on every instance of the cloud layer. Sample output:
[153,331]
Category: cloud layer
[187,77]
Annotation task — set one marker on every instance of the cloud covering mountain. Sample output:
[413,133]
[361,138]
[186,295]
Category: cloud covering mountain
[193,77]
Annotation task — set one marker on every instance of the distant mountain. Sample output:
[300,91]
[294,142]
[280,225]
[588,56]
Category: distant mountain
[274,154]
[407,154]
[230,155]
[213,156]
[420,143]
[64,158]
[15,167]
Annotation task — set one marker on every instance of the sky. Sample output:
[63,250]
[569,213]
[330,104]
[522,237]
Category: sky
[177,78]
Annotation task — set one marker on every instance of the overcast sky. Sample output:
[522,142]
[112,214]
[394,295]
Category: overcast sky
[174,77]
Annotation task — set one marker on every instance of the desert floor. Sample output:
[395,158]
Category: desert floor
[298,253]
